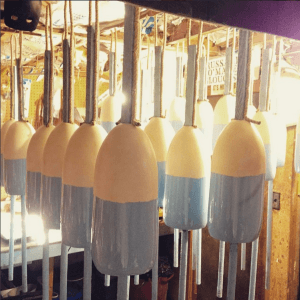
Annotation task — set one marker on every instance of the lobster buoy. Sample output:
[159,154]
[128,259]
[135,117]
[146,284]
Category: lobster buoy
[15,151]
[78,179]
[160,133]
[53,158]
[111,111]
[176,113]
[38,141]
[238,165]
[4,130]
[187,173]
[238,174]
[125,226]
[34,168]
[224,109]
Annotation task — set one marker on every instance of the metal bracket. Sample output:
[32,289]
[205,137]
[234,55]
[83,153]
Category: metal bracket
[276,201]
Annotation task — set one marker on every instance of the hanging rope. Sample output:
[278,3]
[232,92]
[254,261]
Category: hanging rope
[12,87]
[136,62]
[248,81]
[265,41]
[227,38]
[198,56]
[155,31]
[90,13]
[96,70]
[66,19]
[50,121]
[270,74]
[188,32]
[232,61]
[116,61]
[162,67]
[71,89]
[46,28]
[20,79]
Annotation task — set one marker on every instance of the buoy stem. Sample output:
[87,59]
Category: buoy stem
[115,62]
[24,245]
[244,63]
[199,257]
[11,239]
[20,78]
[45,272]
[123,287]
[221,269]
[232,271]
[197,71]
[63,272]
[253,270]
[90,70]
[183,265]
[228,65]
[71,73]
[176,247]
[51,81]
[273,55]
[178,75]
[131,64]
[87,275]
[232,61]
[157,81]
[269,234]
[191,66]
[136,279]
[106,280]
[243,256]
[263,89]
[155,267]
[12,86]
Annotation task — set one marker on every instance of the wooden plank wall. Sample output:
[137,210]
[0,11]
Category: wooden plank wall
[285,234]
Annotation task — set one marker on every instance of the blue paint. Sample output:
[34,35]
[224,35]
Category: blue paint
[186,202]
[271,162]
[15,176]
[76,215]
[33,192]
[161,166]
[235,207]
[218,128]
[108,126]
[297,154]
[124,237]
[51,201]
[176,125]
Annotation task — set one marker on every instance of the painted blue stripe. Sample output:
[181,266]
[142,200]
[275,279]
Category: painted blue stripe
[186,202]
[161,166]
[236,207]
[108,126]
[218,128]
[76,215]
[15,176]
[33,192]
[125,237]
[176,125]
[297,154]
[271,161]
[51,201]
